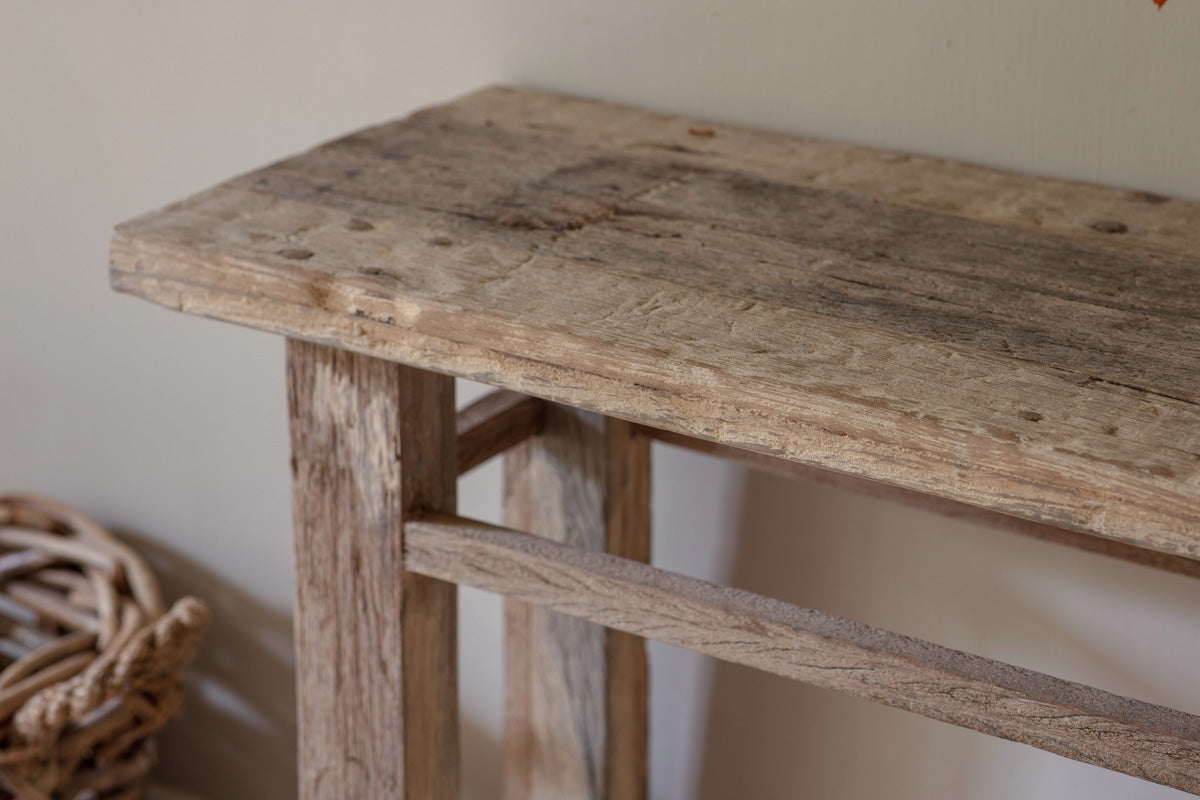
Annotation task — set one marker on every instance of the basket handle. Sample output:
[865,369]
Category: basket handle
[150,664]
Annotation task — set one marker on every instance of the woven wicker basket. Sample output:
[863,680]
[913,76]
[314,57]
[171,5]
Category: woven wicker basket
[90,665]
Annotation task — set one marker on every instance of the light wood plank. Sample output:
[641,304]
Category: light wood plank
[1070,719]
[519,677]
[991,338]
[372,442]
[627,516]
[494,423]
[576,703]
[1089,543]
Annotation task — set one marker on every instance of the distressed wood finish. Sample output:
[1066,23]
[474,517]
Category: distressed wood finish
[1073,720]
[1015,343]
[576,698]
[372,442]
[940,505]
[494,423]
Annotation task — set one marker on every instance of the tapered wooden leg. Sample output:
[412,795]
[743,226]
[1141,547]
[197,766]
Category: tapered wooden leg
[372,442]
[576,705]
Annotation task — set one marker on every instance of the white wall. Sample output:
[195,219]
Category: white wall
[173,428]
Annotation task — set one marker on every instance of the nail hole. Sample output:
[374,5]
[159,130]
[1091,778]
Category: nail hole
[296,253]
[360,225]
[1109,226]
[371,270]
[1032,416]
[441,241]
[1147,197]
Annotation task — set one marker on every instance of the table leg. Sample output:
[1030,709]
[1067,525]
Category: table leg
[372,442]
[576,692]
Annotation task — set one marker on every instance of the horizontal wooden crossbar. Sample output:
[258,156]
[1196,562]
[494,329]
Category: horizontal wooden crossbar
[1070,719]
[493,424]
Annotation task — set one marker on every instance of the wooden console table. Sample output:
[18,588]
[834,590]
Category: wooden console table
[1013,349]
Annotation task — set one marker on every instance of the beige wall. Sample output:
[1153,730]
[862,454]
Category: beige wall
[173,428]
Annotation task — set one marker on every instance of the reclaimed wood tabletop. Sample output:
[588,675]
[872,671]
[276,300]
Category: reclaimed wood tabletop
[1023,344]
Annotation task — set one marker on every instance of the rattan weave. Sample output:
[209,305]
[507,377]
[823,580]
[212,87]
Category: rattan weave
[90,664]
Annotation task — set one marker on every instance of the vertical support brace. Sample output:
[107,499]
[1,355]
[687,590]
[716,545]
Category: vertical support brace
[576,723]
[372,443]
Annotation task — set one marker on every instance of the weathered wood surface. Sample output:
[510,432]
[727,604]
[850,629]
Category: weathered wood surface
[372,441]
[1073,720]
[494,423]
[1016,343]
[1087,542]
[575,708]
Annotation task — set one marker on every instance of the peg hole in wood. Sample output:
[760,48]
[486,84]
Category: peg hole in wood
[296,253]
[1109,226]
[1147,197]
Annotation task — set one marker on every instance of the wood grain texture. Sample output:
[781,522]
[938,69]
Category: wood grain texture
[1087,542]
[627,517]
[1009,342]
[494,423]
[576,721]
[1070,719]
[519,740]
[372,442]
